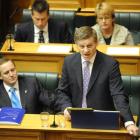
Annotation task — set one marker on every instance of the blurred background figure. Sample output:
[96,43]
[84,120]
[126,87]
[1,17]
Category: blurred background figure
[107,31]
[42,29]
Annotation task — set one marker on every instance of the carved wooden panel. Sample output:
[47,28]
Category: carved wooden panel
[21,135]
[118,4]
[64,3]
[125,4]
[95,136]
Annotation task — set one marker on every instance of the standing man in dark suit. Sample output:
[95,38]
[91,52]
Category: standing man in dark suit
[28,91]
[103,91]
[42,26]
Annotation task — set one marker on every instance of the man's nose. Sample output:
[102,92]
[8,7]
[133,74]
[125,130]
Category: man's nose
[85,49]
[40,22]
[11,73]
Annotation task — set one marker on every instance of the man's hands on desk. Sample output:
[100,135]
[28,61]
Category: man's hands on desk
[67,114]
[132,129]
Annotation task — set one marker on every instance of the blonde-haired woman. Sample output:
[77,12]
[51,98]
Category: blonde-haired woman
[107,31]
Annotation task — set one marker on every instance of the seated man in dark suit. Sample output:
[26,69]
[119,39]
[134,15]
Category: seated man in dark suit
[20,92]
[92,79]
[42,28]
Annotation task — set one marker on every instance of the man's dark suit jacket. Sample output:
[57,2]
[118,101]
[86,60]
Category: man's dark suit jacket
[30,95]
[58,32]
[105,91]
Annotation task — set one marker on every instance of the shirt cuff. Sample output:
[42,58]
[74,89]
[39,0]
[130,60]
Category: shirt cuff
[128,123]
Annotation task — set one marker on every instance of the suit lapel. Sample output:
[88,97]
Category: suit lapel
[50,31]
[31,38]
[95,70]
[78,70]
[4,96]
[22,90]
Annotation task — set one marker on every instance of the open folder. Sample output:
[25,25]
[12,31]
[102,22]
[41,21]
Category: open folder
[94,119]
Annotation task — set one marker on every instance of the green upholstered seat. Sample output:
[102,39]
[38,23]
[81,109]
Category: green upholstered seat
[49,82]
[132,87]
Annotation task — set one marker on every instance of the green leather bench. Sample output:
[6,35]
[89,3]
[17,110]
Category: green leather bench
[132,87]
[49,81]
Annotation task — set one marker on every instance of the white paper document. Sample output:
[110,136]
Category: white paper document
[54,49]
[123,51]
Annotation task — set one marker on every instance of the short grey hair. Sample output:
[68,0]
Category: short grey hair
[84,32]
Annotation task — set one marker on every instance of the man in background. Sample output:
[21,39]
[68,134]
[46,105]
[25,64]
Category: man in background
[92,79]
[42,29]
[20,92]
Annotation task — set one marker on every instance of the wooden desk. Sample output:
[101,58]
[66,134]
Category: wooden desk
[30,129]
[28,59]
[129,62]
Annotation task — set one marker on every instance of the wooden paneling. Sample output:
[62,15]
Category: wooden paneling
[64,3]
[91,3]
[16,9]
[125,4]
[118,4]
[21,135]
[27,58]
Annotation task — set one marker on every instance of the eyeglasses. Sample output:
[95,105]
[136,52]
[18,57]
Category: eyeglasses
[104,18]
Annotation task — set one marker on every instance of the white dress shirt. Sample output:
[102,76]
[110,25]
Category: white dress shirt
[7,87]
[90,64]
[45,34]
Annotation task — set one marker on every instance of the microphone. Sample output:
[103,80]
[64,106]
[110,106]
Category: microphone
[72,49]
[10,39]
[54,125]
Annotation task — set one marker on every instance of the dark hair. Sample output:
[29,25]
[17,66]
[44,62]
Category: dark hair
[40,6]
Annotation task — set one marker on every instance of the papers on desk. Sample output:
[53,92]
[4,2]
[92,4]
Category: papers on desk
[123,51]
[54,49]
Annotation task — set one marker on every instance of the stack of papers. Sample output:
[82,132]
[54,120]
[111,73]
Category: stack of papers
[123,51]
[54,49]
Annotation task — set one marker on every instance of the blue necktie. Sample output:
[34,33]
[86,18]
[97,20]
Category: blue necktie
[14,99]
[86,78]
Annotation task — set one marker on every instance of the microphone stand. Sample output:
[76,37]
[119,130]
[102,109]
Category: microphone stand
[72,49]
[10,37]
[54,125]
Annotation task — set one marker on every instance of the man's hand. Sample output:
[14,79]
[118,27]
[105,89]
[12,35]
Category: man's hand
[67,114]
[132,129]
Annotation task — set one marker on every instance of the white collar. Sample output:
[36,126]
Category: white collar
[7,87]
[37,30]
[91,60]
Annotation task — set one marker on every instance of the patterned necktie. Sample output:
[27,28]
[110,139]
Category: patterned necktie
[86,78]
[14,99]
[41,37]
